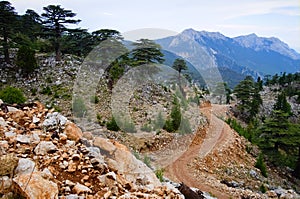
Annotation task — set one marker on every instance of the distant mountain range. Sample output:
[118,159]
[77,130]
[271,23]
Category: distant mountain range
[233,57]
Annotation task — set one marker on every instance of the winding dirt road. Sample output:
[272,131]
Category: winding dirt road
[218,134]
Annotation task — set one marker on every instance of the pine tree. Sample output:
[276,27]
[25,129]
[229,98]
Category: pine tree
[249,98]
[7,21]
[26,60]
[282,104]
[180,65]
[146,52]
[55,19]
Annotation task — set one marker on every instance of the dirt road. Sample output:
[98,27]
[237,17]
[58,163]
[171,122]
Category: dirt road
[218,134]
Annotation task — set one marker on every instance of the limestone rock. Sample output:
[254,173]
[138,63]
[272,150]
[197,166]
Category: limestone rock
[45,147]
[25,166]
[34,186]
[79,189]
[73,132]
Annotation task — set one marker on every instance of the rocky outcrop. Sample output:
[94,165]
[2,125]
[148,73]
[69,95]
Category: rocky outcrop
[45,156]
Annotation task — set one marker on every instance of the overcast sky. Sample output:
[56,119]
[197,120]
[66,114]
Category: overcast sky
[267,18]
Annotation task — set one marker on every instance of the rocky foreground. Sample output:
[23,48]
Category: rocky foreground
[44,155]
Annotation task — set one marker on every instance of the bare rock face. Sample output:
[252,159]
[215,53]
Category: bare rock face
[73,132]
[122,160]
[34,186]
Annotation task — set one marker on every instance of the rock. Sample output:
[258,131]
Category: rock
[188,192]
[104,144]
[88,135]
[253,173]
[54,119]
[35,119]
[46,173]
[45,147]
[79,189]
[23,139]
[72,196]
[94,152]
[34,186]
[25,166]
[73,132]
[34,138]
[121,160]
[2,122]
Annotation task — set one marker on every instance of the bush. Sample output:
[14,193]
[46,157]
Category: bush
[159,121]
[12,95]
[78,107]
[147,161]
[26,60]
[160,174]
[128,127]
[260,164]
[46,91]
[185,127]
[112,125]
[263,188]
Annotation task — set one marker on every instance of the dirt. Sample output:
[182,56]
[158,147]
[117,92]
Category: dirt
[217,134]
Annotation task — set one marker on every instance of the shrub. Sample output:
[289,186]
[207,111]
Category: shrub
[159,121]
[185,127]
[128,127]
[12,95]
[160,174]
[46,91]
[147,161]
[260,164]
[78,107]
[112,125]
[33,91]
[263,188]
[26,60]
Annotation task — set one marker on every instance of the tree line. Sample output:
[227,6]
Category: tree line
[277,134]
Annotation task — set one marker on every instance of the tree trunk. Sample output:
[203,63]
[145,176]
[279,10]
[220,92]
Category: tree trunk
[57,42]
[5,46]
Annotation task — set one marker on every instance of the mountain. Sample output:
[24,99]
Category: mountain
[244,55]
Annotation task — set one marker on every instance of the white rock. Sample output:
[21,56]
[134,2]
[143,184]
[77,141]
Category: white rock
[2,122]
[35,119]
[25,166]
[24,139]
[45,147]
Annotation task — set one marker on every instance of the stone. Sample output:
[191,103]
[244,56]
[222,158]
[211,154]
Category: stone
[72,196]
[45,147]
[35,119]
[34,138]
[25,166]
[88,135]
[104,144]
[34,186]
[73,132]
[2,122]
[23,139]
[79,189]
[54,119]
[94,152]
[46,173]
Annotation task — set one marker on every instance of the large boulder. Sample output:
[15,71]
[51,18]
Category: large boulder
[73,132]
[120,159]
[34,186]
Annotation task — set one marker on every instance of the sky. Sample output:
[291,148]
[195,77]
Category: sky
[265,18]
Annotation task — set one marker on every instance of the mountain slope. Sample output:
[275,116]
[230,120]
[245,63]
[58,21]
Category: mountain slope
[248,55]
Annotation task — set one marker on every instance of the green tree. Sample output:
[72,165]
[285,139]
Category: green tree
[173,123]
[7,22]
[26,60]
[145,52]
[249,99]
[282,104]
[180,65]
[55,19]
[103,34]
